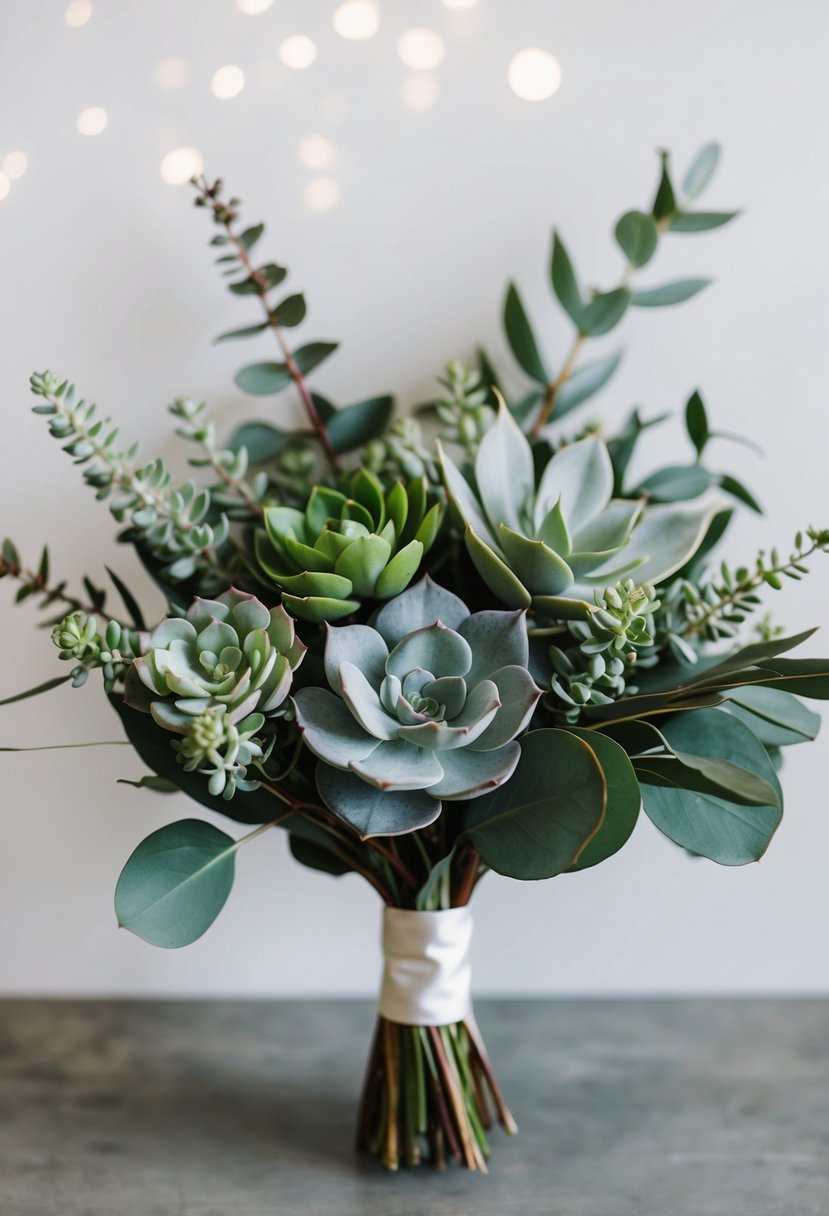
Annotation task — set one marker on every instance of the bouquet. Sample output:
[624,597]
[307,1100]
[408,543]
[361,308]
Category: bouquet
[429,646]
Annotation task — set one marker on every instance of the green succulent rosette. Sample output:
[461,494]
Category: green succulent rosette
[424,705]
[347,547]
[551,541]
[231,652]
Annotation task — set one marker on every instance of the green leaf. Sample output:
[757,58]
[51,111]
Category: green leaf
[290,311]
[312,354]
[522,339]
[43,568]
[565,283]
[737,490]
[251,235]
[261,440]
[604,312]
[247,331]
[489,377]
[432,884]
[317,857]
[270,272]
[539,822]
[669,293]
[624,799]
[664,204]
[150,782]
[637,236]
[584,382]
[130,603]
[777,718]
[713,827]
[696,422]
[371,811]
[676,483]
[701,170]
[701,221]
[263,379]
[355,425]
[47,686]
[176,883]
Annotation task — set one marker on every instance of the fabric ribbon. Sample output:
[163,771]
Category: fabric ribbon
[426,974]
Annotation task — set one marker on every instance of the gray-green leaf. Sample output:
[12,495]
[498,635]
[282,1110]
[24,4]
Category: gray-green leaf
[637,236]
[669,293]
[521,337]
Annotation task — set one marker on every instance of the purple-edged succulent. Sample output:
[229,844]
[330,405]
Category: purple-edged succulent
[424,705]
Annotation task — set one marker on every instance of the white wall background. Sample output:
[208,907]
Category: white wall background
[105,276]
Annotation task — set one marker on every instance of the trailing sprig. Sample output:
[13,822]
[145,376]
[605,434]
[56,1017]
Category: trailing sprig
[241,497]
[172,523]
[718,605]
[224,751]
[401,455]
[79,640]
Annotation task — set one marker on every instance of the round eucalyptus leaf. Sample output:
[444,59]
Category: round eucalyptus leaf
[176,883]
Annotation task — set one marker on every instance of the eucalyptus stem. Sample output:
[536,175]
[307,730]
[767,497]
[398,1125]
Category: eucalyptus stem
[553,389]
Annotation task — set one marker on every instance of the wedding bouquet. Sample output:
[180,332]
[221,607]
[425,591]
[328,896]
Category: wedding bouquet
[433,645]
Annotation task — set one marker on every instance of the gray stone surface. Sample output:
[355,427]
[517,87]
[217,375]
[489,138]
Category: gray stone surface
[626,1108]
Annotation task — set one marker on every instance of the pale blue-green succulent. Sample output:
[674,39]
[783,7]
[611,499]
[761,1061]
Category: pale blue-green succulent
[231,652]
[550,542]
[425,704]
[223,750]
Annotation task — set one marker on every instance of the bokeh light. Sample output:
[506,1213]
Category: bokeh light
[357,19]
[420,49]
[172,73]
[77,13]
[227,82]
[253,7]
[317,152]
[322,194]
[92,121]
[178,166]
[298,51]
[5,185]
[534,74]
[419,92]
[15,165]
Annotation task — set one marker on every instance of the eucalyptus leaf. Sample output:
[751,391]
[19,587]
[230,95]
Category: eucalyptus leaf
[604,312]
[676,483]
[701,170]
[538,824]
[261,441]
[637,236]
[701,221]
[176,883]
[150,782]
[263,379]
[664,203]
[521,338]
[668,293]
[46,686]
[565,284]
[290,311]
[777,718]
[312,355]
[247,331]
[317,856]
[696,422]
[624,799]
[352,426]
[584,382]
[737,490]
[428,893]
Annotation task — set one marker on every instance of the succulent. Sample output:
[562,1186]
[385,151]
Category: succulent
[464,409]
[77,637]
[222,750]
[428,698]
[347,547]
[551,541]
[231,652]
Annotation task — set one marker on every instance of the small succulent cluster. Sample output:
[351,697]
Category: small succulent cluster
[401,454]
[615,638]
[78,638]
[223,750]
[464,410]
[428,698]
[551,542]
[345,548]
[240,497]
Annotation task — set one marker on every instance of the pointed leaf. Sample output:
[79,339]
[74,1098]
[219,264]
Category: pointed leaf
[584,382]
[565,284]
[604,312]
[701,170]
[522,339]
[701,221]
[637,236]
[669,293]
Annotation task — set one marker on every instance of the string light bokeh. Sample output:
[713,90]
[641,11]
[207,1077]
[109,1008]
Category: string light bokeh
[533,74]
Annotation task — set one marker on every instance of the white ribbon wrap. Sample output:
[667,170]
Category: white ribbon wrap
[427,975]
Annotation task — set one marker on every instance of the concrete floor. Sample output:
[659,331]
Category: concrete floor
[229,1108]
